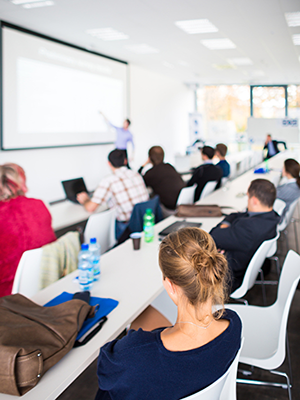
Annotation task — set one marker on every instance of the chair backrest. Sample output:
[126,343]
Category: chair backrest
[288,216]
[224,181]
[186,195]
[208,189]
[102,227]
[288,282]
[27,276]
[222,389]
[136,219]
[279,206]
[253,268]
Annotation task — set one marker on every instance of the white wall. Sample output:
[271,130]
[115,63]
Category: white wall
[159,109]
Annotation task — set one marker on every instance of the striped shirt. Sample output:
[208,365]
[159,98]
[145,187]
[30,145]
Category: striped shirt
[123,189]
[289,192]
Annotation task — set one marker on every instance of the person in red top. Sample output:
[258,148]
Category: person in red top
[25,223]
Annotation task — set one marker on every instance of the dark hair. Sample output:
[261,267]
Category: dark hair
[156,155]
[128,121]
[117,158]
[222,149]
[190,259]
[292,167]
[208,151]
[264,191]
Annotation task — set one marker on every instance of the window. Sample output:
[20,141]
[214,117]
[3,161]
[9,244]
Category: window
[268,101]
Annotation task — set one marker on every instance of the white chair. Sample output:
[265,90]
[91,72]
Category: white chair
[254,268]
[186,195]
[279,206]
[222,389]
[208,189]
[102,227]
[288,218]
[224,181]
[264,328]
[27,277]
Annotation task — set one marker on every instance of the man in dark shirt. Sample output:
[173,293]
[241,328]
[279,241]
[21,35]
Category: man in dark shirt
[206,172]
[239,235]
[221,151]
[272,146]
[162,178]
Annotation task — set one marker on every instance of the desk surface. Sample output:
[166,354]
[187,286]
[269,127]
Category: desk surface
[131,277]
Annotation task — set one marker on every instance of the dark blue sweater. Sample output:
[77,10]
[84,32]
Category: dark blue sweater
[140,367]
[223,164]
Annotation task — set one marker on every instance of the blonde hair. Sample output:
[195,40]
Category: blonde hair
[190,259]
[12,181]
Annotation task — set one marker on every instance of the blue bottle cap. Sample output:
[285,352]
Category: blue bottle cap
[84,246]
[93,240]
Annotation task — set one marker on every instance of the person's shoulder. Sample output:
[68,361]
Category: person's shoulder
[232,315]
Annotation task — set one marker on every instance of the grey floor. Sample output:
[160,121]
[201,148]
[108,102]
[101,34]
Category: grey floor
[85,386]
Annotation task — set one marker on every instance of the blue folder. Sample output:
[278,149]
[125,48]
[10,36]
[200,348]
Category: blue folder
[105,307]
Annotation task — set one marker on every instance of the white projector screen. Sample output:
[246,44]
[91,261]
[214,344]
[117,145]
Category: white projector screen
[52,93]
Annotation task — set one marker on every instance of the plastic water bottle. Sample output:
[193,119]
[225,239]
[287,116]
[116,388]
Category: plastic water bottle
[149,225]
[95,250]
[85,267]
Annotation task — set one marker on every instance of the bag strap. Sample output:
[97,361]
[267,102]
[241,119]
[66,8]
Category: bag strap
[90,334]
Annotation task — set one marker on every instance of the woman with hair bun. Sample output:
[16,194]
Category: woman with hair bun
[289,190]
[161,361]
[25,223]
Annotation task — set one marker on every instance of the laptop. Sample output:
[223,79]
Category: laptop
[72,187]
[178,225]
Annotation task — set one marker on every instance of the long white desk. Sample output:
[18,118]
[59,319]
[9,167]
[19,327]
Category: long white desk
[131,277]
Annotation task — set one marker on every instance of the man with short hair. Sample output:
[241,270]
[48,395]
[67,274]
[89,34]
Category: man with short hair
[272,146]
[221,151]
[239,235]
[162,178]
[206,172]
[123,189]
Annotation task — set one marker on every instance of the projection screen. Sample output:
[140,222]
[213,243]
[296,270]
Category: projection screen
[52,93]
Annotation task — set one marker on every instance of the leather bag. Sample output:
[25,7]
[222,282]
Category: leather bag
[34,338]
[197,210]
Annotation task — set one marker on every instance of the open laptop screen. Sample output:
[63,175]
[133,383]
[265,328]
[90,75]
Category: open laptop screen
[72,187]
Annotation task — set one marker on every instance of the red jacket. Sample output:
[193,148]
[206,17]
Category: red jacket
[25,224]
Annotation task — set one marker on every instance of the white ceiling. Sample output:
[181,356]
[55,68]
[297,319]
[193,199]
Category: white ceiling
[257,27]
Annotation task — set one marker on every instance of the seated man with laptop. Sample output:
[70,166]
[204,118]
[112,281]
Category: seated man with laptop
[239,235]
[123,189]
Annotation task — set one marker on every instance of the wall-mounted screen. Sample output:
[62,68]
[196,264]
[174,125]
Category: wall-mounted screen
[52,93]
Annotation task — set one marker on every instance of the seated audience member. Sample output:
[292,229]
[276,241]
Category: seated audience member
[25,223]
[164,180]
[206,172]
[166,362]
[123,189]
[240,234]
[289,189]
[221,151]
[272,146]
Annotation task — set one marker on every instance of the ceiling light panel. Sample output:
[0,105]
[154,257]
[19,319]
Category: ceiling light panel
[168,65]
[39,4]
[142,49]
[293,18]
[296,39]
[107,34]
[18,2]
[194,26]
[240,61]
[218,44]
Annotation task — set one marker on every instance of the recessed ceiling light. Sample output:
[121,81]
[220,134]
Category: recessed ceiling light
[293,18]
[218,44]
[142,49]
[221,67]
[39,4]
[194,26]
[107,34]
[17,2]
[240,61]
[296,39]
[168,65]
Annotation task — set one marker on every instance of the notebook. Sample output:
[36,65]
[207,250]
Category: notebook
[72,187]
[178,225]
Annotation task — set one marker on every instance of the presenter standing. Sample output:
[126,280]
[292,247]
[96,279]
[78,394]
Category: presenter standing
[124,139]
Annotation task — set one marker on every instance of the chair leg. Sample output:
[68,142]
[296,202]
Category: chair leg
[286,240]
[263,288]
[288,385]
[289,358]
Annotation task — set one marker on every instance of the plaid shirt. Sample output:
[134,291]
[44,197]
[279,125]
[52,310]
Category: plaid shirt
[122,190]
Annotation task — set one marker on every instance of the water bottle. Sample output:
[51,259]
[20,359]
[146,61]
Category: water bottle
[149,225]
[95,250]
[85,267]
